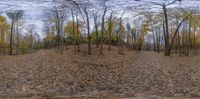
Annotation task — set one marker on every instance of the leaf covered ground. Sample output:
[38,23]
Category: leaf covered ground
[47,73]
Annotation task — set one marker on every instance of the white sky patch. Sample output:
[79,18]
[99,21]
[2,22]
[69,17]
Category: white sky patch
[34,9]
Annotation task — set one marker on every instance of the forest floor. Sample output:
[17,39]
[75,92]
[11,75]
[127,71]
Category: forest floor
[47,73]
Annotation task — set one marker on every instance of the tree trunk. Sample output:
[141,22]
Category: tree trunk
[102,31]
[194,44]
[177,30]
[167,50]
[158,40]
[78,35]
[96,29]
[11,36]
[31,42]
[17,49]
[120,51]
[73,30]
[88,31]
[110,31]
[58,30]
[189,38]
[154,41]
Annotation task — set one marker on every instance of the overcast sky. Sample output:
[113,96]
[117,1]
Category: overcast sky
[34,9]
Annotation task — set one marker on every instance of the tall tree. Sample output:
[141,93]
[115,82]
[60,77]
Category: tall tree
[96,28]
[84,9]
[120,51]
[168,45]
[102,30]
[31,31]
[110,31]
[19,15]
[11,15]
[57,16]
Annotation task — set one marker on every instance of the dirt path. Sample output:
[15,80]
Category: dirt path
[171,76]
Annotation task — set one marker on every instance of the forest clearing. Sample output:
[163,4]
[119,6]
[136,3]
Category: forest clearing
[100,49]
[47,73]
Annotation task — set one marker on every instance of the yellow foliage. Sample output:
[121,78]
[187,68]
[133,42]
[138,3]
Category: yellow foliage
[4,29]
[72,31]
[145,28]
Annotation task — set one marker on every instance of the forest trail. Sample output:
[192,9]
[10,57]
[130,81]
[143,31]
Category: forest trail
[175,76]
[46,73]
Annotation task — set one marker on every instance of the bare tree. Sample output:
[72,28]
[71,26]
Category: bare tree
[19,15]
[73,29]
[83,7]
[129,30]
[57,16]
[78,35]
[120,51]
[30,30]
[58,37]
[14,16]
[102,30]
[96,28]
[168,45]
[110,31]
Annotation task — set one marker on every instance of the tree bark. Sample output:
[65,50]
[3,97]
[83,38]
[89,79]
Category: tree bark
[96,29]
[17,48]
[189,38]
[170,47]
[110,31]
[167,49]
[78,35]
[88,31]
[58,29]
[102,31]
[158,40]
[154,41]
[73,30]
[11,37]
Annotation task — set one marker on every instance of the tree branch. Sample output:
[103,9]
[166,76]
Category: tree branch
[157,3]
[79,8]
[123,14]
[172,2]
[178,30]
